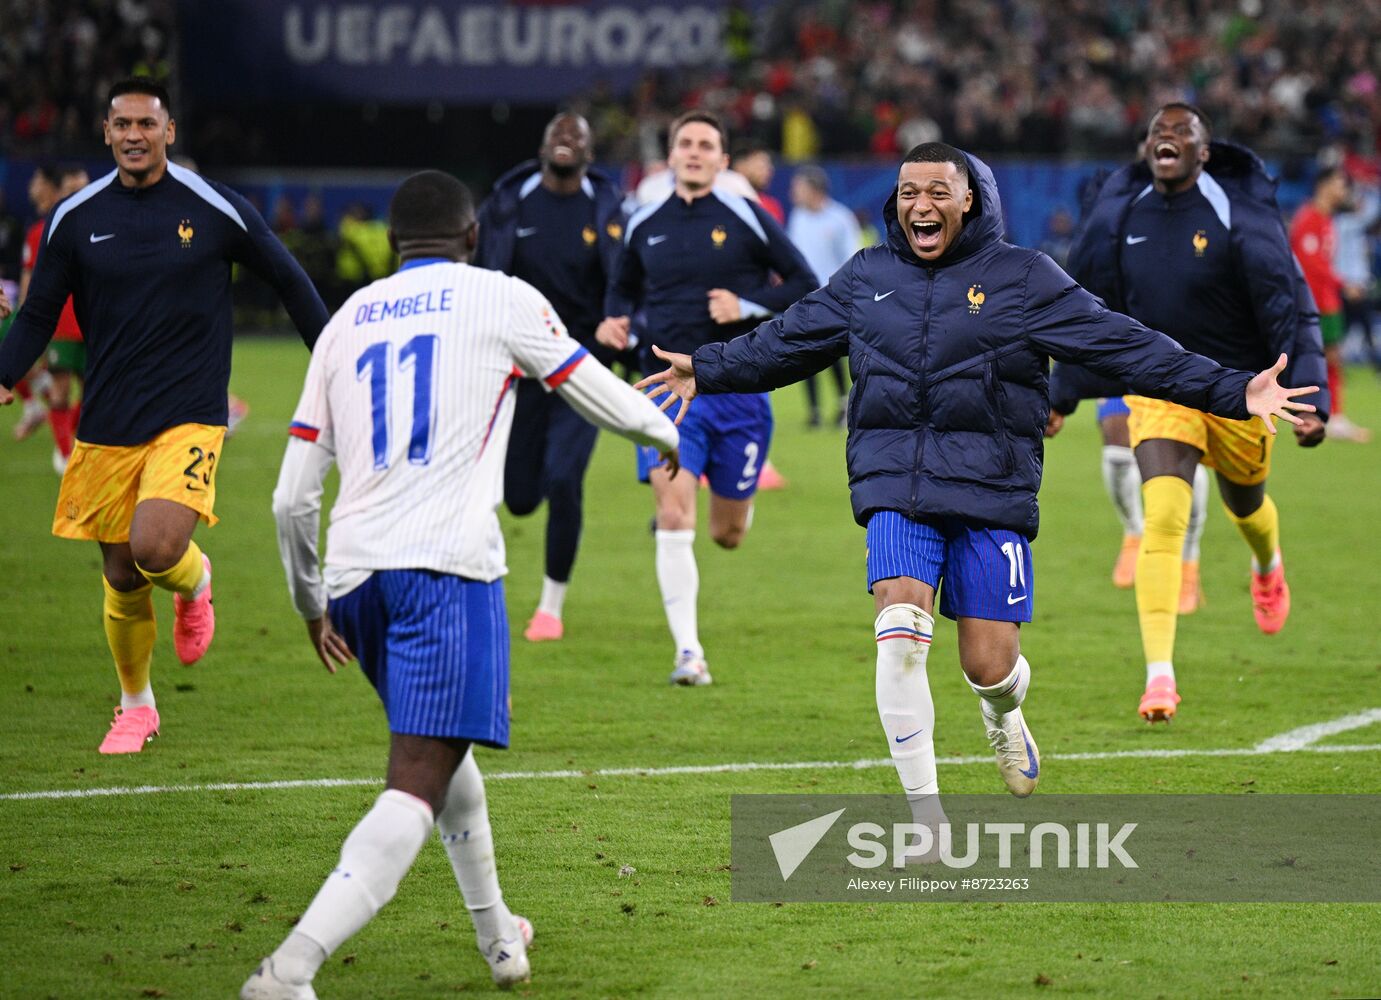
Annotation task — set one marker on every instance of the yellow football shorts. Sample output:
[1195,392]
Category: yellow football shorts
[104,483]
[1239,449]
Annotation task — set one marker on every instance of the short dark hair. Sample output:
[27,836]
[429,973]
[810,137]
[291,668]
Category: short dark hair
[49,172]
[68,170]
[939,152]
[430,203]
[704,117]
[141,85]
[1193,109]
[744,148]
[1325,175]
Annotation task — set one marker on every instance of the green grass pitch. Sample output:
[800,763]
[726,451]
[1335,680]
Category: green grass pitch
[179,894]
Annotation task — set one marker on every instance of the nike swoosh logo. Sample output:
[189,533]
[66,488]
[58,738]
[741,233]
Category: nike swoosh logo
[1015,600]
[525,233]
[1134,240]
[102,239]
[879,298]
[745,484]
[903,739]
[652,241]
[1031,756]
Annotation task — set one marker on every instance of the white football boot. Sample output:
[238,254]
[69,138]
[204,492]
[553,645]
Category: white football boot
[507,956]
[265,985]
[691,670]
[1018,760]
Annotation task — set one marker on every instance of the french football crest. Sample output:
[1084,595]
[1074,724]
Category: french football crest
[1200,242]
[717,236]
[976,299]
[185,230]
[589,235]
[614,230]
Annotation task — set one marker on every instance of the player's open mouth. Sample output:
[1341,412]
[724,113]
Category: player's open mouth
[1166,152]
[926,234]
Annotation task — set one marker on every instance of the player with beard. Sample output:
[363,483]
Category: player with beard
[556,223]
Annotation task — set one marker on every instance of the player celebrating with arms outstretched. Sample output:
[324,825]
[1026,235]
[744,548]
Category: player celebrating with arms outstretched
[145,252]
[1199,217]
[410,393]
[949,330]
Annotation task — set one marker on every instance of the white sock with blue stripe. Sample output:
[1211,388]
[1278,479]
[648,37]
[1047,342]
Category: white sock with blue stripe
[903,633]
[373,860]
[464,828]
[1007,694]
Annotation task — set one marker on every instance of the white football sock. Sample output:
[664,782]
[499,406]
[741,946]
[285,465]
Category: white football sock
[903,633]
[1259,570]
[373,860]
[1123,483]
[553,597]
[1161,668]
[1007,694]
[679,579]
[139,700]
[463,826]
[1198,516]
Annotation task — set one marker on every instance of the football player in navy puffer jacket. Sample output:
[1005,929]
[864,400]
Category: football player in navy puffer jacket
[949,330]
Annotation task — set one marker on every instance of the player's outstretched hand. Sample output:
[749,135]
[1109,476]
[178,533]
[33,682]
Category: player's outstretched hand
[1310,431]
[1054,423]
[677,382]
[6,397]
[724,306]
[1267,398]
[613,332]
[329,645]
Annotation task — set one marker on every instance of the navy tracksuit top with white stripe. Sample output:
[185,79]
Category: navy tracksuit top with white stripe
[675,252]
[149,272]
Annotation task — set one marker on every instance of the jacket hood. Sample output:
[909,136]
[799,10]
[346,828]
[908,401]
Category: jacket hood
[515,177]
[1231,165]
[983,222]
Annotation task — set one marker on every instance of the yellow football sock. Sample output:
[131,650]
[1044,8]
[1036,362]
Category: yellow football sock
[1166,500]
[1261,529]
[130,630]
[182,578]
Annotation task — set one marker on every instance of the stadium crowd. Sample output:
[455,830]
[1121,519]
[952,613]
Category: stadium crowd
[58,59]
[826,78]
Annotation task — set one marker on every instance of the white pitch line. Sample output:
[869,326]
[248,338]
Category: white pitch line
[1296,739]
[653,772]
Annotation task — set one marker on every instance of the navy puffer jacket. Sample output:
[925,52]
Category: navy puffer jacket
[950,362]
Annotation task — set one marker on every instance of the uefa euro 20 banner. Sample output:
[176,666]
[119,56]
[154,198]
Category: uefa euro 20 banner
[452,52]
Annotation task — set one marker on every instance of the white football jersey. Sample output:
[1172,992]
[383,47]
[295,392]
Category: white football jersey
[411,388]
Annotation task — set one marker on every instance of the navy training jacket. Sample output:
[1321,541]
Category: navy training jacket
[1277,306]
[950,364]
[149,273]
[498,229]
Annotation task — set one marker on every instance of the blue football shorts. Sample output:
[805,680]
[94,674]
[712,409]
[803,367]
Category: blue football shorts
[1113,406]
[724,438]
[979,572]
[435,647]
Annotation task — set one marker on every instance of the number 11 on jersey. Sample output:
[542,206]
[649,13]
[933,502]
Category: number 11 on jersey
[376,364]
